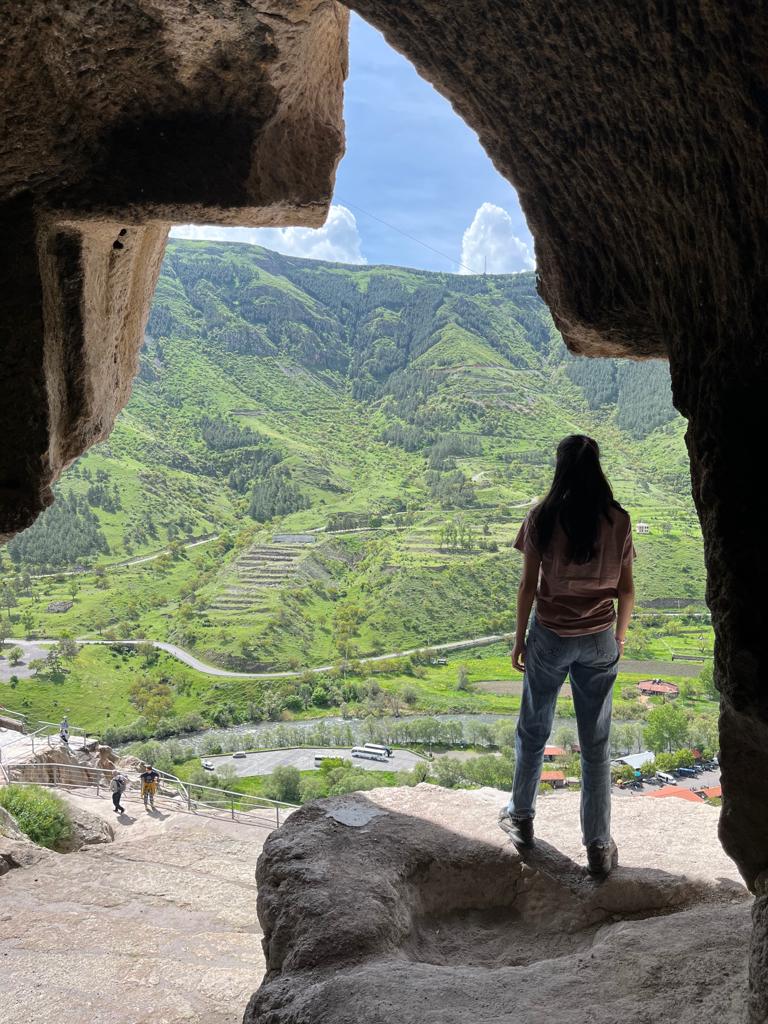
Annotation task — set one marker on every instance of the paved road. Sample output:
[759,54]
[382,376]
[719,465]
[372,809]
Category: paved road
[264,762]
[138,560]
[658,668]
[211,670]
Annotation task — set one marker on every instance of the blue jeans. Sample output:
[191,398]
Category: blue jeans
[593,663]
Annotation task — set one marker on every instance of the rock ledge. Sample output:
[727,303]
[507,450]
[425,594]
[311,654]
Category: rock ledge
[411,905]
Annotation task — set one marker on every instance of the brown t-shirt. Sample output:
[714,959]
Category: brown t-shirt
[572,599]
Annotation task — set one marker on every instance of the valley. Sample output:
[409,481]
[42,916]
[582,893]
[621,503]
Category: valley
[324,463]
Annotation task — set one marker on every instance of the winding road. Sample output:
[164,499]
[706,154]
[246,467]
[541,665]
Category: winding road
[651,667]
[212,670]
[138,560]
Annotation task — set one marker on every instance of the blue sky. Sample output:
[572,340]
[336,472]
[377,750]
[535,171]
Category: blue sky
[412,162]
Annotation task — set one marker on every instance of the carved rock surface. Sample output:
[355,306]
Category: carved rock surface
[119,119]
[412,905]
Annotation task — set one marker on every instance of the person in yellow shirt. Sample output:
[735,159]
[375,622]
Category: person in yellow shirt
[149,780]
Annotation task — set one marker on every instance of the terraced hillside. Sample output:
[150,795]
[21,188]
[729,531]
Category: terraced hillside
[260,567]
[402,420]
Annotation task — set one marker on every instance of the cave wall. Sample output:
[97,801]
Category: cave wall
[121,118]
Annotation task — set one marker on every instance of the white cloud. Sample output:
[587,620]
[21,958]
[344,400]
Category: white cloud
[337,240]
[490,244]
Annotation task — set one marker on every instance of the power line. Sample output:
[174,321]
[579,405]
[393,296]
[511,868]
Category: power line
[405,234]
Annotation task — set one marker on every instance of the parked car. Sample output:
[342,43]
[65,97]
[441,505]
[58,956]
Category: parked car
[666,779]
[686,773]
[239,753]
[209,766]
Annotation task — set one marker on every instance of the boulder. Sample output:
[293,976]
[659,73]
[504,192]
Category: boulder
[412,905]
[88,829]
[19,853]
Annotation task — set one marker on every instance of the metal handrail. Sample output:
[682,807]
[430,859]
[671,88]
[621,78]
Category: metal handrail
[95,777]
[7,712]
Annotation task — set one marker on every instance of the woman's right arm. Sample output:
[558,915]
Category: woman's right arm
[626,591]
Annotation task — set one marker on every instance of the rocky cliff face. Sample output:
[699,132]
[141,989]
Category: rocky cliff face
[411,905]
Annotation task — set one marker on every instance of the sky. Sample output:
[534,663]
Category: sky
[412,163]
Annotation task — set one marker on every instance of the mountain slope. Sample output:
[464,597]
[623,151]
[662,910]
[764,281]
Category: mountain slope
[279,395]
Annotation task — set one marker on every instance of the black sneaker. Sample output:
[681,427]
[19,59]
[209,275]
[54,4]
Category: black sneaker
[602,858]
[520,830]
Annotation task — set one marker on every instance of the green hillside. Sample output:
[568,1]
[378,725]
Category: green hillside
[278,396]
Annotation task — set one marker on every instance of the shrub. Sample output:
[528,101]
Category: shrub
[312,788]
[40,814]
[284,784]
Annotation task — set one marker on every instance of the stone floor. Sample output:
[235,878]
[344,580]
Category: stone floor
[158,927]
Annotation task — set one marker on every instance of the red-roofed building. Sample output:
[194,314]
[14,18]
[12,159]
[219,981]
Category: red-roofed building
[711,792]
[682,794]
[552,753]
[556,779]
[657,688]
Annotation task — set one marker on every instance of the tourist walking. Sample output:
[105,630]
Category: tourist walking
[149,781]
[578,552]
[119,785]
[64,731]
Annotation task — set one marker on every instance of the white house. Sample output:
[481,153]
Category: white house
[642,528]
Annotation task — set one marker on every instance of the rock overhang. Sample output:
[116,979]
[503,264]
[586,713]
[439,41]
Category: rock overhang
[120,120]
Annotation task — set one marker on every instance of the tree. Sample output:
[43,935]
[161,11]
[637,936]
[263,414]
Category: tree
[565,737]
[4,633]
[15,655]
[462,677]
[707,682]
[284,784]
[685,688]
[666,728]
[148,652]
[28,620]
[68,647]
[312,788]
[8,597]
[448,772]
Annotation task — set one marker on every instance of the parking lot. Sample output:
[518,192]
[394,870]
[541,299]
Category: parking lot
[703,781]
[264,762]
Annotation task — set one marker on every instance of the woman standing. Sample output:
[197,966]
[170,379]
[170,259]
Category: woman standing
[578,551]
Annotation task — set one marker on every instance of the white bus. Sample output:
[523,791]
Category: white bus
[368,755]
[379,748]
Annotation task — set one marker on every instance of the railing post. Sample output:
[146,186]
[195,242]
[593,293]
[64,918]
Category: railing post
[233,808]
[32,737]
[277,814]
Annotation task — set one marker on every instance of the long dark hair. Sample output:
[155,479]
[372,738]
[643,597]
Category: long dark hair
[579,497]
